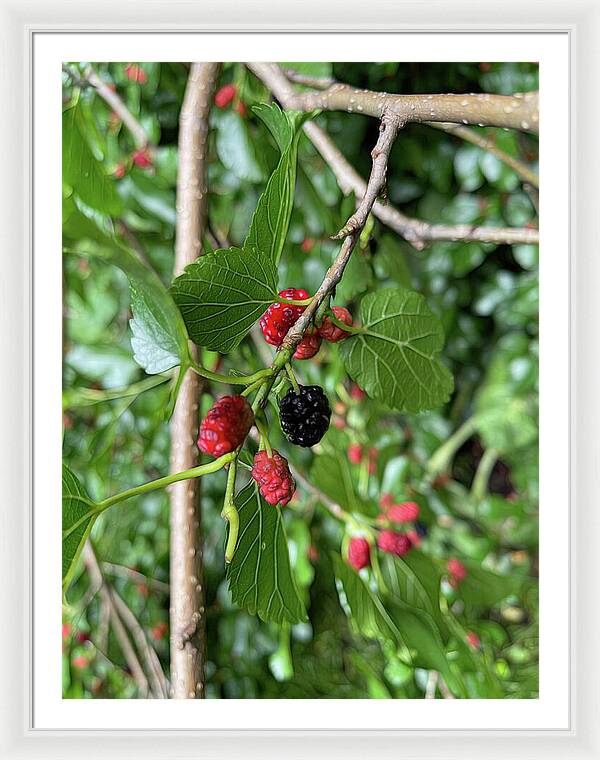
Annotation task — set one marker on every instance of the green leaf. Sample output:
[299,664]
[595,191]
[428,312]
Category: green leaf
[333,476]
[484,588]
[358,277]
[260,577]
[81,170]
[222,294]
[236,149]
[271,219]
[392,621]
[394,356]
[78,516]
[159,337]
[276,122]
[415,581]
[506,405]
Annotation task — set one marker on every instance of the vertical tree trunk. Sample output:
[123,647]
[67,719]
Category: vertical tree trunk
[186,573]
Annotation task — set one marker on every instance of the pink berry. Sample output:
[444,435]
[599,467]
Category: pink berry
[308,346]
[408,511]
[330,331]
[225,95]
[394,543]
[225,426]
[355,453]
[359,553]
[473,640]
[273,475]
[142,158]
[457,570]
[279,317]
[386,501]
[356,392]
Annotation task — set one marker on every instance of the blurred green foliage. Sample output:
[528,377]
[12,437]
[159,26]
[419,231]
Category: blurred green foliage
[487,299]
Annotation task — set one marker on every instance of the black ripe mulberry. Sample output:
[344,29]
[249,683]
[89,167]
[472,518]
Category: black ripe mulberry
[305,415]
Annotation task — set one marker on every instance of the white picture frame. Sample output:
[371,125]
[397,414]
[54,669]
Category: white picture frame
[18,737]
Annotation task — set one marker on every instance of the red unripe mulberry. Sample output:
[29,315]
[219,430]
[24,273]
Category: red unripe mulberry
[225,426]
[408,511]
[142,158]
[355,453]
[331,332]
[386,501]
[394,543]
[473,640]
[273,475]
[136,73]
[359,553]
[457,570]
[356,392]
[306,245]
[225,95]
[308,346]
[279,317]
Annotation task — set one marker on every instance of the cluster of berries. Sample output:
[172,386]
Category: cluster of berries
[225,427]
[280,317]
[304,412]
[304,419]
[389,540]
[226,95]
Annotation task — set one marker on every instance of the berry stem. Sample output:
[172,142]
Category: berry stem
[230,513]
[293,302]
[264,435]
[252,387]
[292,376]
[376,567]
[442,457]
[479,487]
[154,485]
[231,379]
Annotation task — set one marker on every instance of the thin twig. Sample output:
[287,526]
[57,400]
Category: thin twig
[388,129]
[187,608]
[488,144]
[518,111]
[158,681]
[135,576]
[97,579]
[318,83]
[114,101]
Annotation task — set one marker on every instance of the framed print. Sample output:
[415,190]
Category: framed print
[304,430]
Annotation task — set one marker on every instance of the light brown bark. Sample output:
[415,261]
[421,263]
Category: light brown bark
[187,610]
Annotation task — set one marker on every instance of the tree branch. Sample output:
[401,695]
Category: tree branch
[388,129]
[114,101]
[186,582]
[415,231]
[519,111]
